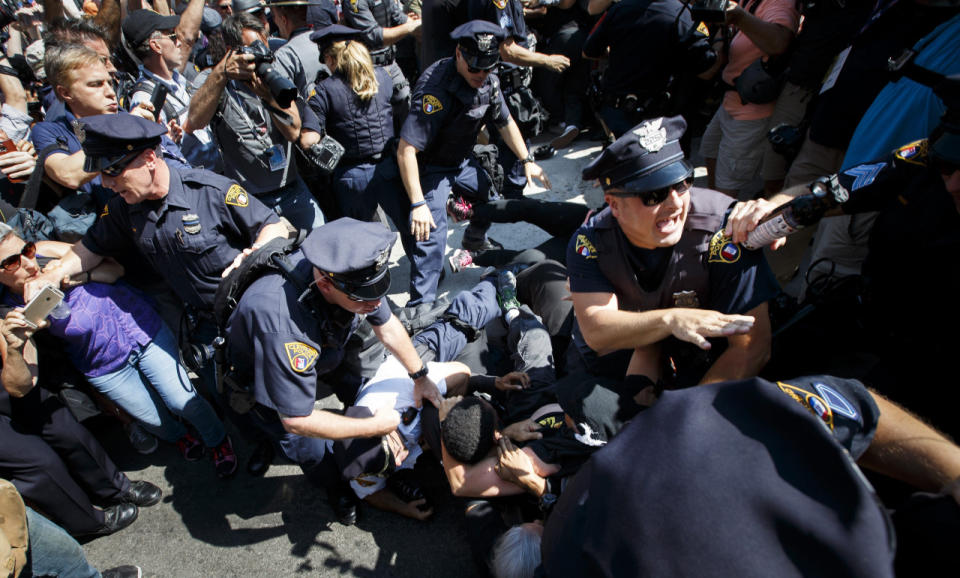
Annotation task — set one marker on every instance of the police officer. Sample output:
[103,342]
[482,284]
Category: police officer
[281,341]
[383,25]
[649,267]
[634,89]
[453,99]
[189,225]
[298,59]
[362,121]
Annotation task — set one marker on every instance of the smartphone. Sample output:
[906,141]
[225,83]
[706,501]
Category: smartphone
[40,306]
[158,98]
[8,146]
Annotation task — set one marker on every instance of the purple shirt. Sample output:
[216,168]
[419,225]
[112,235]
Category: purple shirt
[105,324]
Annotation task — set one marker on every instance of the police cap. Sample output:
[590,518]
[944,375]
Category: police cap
[645,158]
[140,24]
[333,33]
[353,255]
[108,139]
[479,43]
[740,476]
[248,5]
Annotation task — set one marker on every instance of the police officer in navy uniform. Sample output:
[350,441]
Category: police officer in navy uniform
[189,225]
[362,124]
[281,341]
[453,99]
[383,25]
[654,273]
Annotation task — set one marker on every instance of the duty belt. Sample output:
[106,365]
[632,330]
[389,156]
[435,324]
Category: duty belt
[512,77]
[384,57]
[371,159]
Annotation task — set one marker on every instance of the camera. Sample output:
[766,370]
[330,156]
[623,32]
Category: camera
[197,355]
[282,89]
[786,140]
[325,154]
[708,11]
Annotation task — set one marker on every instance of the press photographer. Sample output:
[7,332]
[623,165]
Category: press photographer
[255,121]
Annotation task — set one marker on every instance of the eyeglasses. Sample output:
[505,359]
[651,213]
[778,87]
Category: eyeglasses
[172,36]
[473,70]
[12,263]
[657,196]
[115,169]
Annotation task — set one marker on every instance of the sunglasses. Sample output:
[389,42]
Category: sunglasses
[114,170]
[12,263]
[348,292]
[172,36]
[657,196]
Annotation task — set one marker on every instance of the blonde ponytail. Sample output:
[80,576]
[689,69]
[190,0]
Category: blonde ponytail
[353,61]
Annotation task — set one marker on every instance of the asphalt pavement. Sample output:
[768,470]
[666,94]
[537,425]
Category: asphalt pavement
[280,524]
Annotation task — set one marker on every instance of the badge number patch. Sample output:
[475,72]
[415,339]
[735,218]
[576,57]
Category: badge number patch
[431,104]
[585,248]
[722,249]
[237,196]
[301,355]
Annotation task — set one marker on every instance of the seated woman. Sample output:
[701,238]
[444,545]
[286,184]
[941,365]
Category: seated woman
[116,339]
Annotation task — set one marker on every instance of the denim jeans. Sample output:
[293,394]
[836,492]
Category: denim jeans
[53,552]
[152,381]
[295,202]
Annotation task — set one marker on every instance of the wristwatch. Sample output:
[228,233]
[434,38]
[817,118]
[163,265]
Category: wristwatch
[420,373]
[529,158]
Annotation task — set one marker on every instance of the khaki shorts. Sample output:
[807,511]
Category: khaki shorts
[738,147]
[791,106]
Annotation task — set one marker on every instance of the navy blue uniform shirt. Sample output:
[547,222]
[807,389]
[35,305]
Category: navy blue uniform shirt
[362,127]
[190,236]
[282,347]
[508,14]
[446,113]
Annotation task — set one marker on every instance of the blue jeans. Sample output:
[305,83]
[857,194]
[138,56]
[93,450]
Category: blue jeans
[53,552]
[153,380]
[295,202]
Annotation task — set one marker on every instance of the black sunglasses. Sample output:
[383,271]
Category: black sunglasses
[657,196]
[115,169]
[12,263]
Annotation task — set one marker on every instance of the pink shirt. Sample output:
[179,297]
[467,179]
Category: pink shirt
[743,52]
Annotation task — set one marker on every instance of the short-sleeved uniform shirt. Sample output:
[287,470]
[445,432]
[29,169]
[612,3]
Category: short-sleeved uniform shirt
[300,61]
[446,114]
[508,14]
[281,347]
[190,236]
[362,15]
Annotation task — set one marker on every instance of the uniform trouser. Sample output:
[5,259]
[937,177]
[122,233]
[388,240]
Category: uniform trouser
[514,177]
[53,552]
[558,219]
[313,455]
[618,122]
[359,187]
[56,464]
[426,257]
[401,95]
[563,92]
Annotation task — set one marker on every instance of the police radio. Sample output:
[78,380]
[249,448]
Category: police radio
[325,154]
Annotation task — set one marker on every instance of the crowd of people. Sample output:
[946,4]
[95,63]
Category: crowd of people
[647,392]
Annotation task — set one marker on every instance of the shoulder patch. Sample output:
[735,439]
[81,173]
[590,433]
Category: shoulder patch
[723,249]
[354,6]
[237,196]
[702,29]
[864,175]
[431,104]
[105,211]
[585,248]
[914,153]
[501,4]
[811,401]
[301,355]
[837,402]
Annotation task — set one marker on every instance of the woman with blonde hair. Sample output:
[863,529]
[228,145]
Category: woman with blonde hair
[354,108]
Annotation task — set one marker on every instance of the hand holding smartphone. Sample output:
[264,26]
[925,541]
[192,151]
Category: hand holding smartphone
[40,306]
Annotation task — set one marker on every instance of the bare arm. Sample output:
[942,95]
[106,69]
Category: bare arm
[76,260]
[19,373]
[605,328]
[204,102]
[333,426]
[511,135]
[772,39]
[746,354]
[67,170]
[394,337]
[598,6]
[909,450]
[421,220]
[13,92]
[513,53]
[401,31]
[388,501]
[188,29]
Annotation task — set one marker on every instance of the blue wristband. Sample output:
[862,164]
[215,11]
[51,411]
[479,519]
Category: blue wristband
[417,204]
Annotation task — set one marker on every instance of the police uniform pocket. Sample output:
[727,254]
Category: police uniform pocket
[202,251]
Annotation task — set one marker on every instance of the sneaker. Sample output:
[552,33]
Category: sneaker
[479,245]
[190,448]
[224,459]
[569,134]
[507,291]
[460,259]
[142,441]
[459,209]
